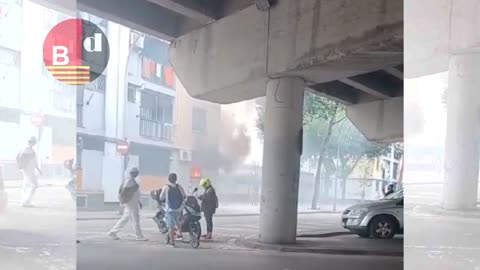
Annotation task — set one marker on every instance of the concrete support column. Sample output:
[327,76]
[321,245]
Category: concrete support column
[462,155]
[281,160]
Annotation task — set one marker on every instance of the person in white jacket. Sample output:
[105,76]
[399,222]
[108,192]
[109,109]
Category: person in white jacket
[27,162]
[129,196]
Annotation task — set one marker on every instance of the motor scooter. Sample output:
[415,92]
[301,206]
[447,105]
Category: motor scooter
[159,217]
[190,220]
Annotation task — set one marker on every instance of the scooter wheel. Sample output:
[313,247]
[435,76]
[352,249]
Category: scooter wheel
[195,243]
[162,227]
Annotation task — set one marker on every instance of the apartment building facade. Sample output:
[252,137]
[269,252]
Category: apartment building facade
[138,101]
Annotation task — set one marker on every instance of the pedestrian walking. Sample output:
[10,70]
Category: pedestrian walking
[28,165]
[129,197]
[174,196]
[209,205]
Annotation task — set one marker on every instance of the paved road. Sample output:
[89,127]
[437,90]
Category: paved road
[224,227]
[96,251]
[133,256]
[436,241]
[441,242]
[41,238]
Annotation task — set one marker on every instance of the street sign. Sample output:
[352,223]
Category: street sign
[37,119]
[122,147]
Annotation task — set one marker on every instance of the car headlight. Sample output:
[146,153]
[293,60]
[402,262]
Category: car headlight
[355,213]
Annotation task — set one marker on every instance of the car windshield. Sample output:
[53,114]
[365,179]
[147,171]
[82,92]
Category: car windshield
[394,196]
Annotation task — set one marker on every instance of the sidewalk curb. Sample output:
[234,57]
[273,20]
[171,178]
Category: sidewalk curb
[216,215]
[324,235]
[332,251]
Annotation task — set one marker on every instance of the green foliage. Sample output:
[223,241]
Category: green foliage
[317,111]
[260,121]
[345,137]
[348,146]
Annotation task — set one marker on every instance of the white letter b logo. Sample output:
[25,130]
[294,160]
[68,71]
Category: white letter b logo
[60,52]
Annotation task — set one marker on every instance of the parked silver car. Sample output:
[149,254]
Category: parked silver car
[378,219]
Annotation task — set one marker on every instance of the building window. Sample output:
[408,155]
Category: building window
[64,97]
[199,120]
[98,85]
[132,93]
[168,77]
[156,114]
[9,57]
[157,73]
[151,71]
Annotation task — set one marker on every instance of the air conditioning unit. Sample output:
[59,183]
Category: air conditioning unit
[185,155]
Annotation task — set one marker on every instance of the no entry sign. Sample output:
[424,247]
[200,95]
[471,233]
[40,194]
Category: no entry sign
[37,119]
[122,147]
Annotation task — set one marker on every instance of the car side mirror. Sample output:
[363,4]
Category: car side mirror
[400,202]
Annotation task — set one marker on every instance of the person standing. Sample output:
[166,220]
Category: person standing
[174,196]
[129,196]
[390,190]
[28,165]
[209,205]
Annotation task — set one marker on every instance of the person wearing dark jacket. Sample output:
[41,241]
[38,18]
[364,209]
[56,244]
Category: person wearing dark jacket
[390,190]
[209,205]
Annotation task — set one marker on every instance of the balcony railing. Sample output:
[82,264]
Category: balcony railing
[156,130]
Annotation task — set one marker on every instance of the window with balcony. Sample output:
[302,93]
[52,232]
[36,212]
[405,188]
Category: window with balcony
[151,71]
[157,73]
[199,120]
[156,114]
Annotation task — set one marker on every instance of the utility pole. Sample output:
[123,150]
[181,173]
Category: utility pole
[392,161]
[336,181]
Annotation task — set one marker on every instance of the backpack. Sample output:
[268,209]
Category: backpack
[23,159]
[174,197]
[125,194]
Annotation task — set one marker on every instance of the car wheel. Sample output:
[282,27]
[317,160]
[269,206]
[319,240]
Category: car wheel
[383,227]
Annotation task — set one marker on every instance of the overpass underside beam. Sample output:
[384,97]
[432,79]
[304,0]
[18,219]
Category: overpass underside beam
[232,59]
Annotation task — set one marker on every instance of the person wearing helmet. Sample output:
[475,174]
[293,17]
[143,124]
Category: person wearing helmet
[390,190]
[28,165]
[129,196]
[209,205]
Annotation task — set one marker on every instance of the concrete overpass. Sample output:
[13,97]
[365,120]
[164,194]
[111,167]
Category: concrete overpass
[446,38]
[232,50]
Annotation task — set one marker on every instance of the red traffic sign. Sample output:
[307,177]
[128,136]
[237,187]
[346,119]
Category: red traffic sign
[38,120]
[122,147]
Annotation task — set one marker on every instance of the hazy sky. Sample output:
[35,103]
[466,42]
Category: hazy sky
[427,92]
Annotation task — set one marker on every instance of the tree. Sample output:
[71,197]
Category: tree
[349,147]
[320,115]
